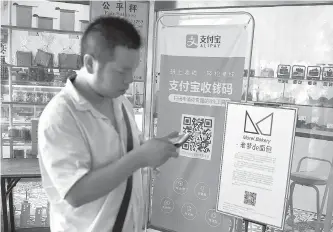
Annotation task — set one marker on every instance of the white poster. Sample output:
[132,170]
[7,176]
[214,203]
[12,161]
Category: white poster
[256,163]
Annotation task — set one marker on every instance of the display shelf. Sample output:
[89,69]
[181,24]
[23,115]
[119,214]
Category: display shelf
[290,80]
[6,122]
[33,29]
[24,103]
[291,104]
[14,66]
[18,140]
[314,134]
[32,84]
[37,86]
[33,229]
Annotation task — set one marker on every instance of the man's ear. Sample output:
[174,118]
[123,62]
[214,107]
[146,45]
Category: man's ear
[88,62]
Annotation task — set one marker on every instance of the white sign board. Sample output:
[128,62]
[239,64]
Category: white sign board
[256,162]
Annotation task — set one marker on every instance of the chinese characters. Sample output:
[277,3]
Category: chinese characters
[210,41]
[195,100]
[122,8]
[186,72]
[215,88]
[256,147]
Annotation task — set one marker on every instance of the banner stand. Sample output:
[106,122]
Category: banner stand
[246,221]
[253,150]
[202,55]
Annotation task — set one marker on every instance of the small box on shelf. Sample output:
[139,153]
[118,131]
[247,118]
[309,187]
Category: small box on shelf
[83,24]
[67,19]
[23,15]
[313,73]
[24,58]
[18,153]
[283,71]
[19,133]
[44,22]
[44,59]
[40,74]
[20,76]
[69,61]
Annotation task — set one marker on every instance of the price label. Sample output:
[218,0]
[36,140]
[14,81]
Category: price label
[302,118]
[314,119]
[330,125]
[74,36]
[33,33]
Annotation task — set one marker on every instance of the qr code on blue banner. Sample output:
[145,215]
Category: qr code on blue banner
[250,198]
[200,144]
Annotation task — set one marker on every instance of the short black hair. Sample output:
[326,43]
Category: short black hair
[106,33]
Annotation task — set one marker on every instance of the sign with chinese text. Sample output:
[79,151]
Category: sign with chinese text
[256,162]
[201,70]
[137,12]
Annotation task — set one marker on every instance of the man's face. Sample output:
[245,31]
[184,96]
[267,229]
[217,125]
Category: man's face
[112,78]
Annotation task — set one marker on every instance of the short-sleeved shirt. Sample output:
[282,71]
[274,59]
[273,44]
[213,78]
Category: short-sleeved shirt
[74,139]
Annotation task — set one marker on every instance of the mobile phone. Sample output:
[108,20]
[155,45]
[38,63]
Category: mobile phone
[180,139]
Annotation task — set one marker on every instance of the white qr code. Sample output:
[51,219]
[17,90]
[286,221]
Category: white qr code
[250,198]
[200,144]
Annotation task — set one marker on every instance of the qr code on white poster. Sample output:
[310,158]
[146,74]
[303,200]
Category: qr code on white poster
[200,144]
[250,198]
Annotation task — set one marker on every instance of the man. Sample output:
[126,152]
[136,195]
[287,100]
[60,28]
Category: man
[84,134]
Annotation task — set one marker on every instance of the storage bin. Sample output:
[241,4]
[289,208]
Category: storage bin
[44,22]
[23,15]
[84,24]
[21,76]
[23,59]
[19,153]
[67,19]
[44,59]
[37,74]
[68,61]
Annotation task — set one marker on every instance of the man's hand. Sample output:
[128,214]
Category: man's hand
[157,151]
[102,181]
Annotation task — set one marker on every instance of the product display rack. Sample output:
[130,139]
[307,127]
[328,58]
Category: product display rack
[23,100]
[21,93]
[27,85]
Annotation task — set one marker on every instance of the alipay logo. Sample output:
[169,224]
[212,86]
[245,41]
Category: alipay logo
[192,41]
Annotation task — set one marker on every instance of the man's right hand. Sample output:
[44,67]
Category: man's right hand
[157,151]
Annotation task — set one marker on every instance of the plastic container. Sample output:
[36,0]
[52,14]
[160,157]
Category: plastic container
[83,24]
[67,19]
[18,153]
[44,22]
[23,59]
[23,15]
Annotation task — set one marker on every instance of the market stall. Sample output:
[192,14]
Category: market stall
[283,59]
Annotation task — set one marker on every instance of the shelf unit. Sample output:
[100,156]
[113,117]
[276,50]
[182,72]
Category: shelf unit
[19,112]
[32,29]
[14,111]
